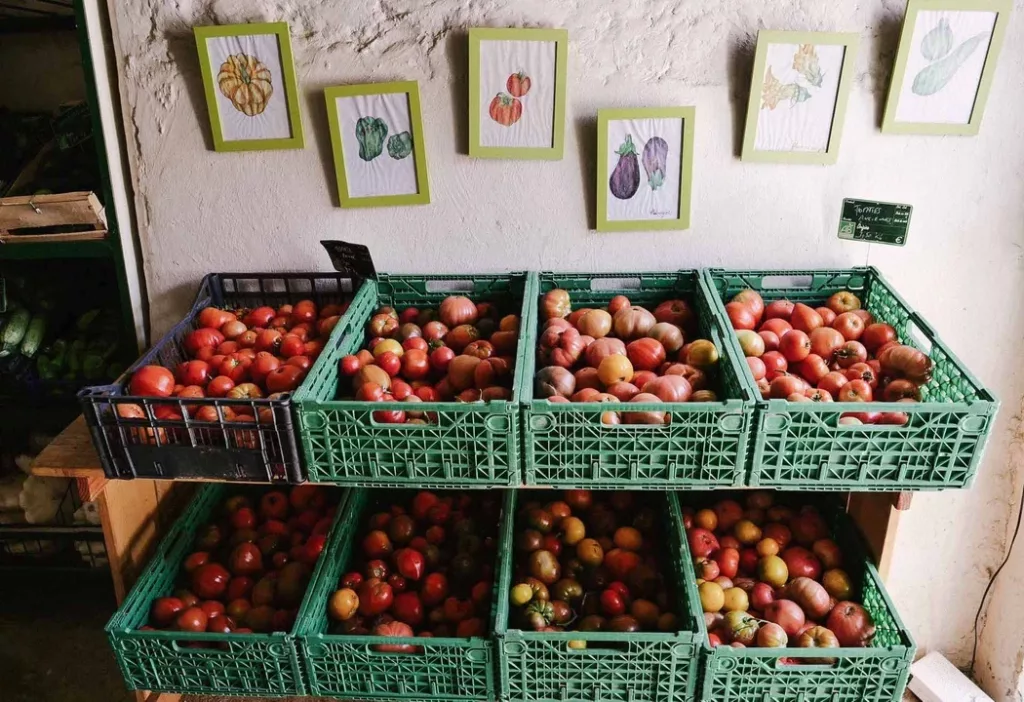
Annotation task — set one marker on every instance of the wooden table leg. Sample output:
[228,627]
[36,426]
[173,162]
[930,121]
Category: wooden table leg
[877,516]
[135,514]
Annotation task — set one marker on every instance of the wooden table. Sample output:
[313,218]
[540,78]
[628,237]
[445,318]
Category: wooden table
[136,513]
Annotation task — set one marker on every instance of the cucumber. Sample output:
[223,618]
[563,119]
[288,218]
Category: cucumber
[33,336]
[14,331]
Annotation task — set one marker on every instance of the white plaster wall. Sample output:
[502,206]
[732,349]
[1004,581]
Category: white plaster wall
[200,211]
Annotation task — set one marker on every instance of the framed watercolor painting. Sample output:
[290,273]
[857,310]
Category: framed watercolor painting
[249,79]
[644,168]
[377,141]
[798,96]
[517,93]
[944,66]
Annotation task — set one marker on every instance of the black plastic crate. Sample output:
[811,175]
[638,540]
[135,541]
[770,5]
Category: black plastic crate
[148,447]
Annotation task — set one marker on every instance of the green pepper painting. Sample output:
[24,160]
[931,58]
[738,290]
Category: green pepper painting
[371,132]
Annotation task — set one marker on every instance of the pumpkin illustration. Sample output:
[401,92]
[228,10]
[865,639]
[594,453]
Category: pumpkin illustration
[246,83]
[518,84]
[505,109]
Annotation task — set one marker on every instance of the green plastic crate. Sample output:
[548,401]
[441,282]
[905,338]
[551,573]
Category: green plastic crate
[468,445]
[876,673]
[615,667]
[802,445]
[264,665]
[705,445]
[348,667]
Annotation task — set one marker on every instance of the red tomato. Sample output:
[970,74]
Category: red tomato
[832,383]
[314,348]
[427,393]
[205,354]
[303,311]
[245,391]
[795,345]
[284,379]
[349,365]
[193,373]
[757,367]
[291,345]
[370,392]
[400,389]
[390,363]
[389,416]
[741,316]
[152,381]
[434,590]
[264,364]
[855,391]
[778,309]
[214,318]
[410,563]
[415,364]
[190,391]
[199,338]
[805,318]
[812,369]
[219,386]
[862,371]
[774,362]
[440,358]
[260,317]
[777,326]
[785,385]
[235,367]
[877,334]
[416,343]
[771,340]
[374,597]
[850,353]
[647,354]
[268,340]
[849,325]
[827,315]
[612,603]
[227,348]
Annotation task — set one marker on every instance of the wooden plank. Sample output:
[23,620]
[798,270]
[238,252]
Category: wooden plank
[877,519]
[69,455]
[32,211]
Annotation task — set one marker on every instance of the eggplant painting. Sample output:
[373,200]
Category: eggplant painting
[625,179]
[655,161]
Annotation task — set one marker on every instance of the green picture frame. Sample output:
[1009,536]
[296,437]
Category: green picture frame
[548,153]
[203,36]
[604,118]
[890,125]
[830,155]
[338,144]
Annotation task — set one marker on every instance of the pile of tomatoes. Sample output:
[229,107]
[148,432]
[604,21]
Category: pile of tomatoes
[623,353]
[239,354]
[462,351]
[836,352]
[590,562]
[770,576]
[249,569]
[423,566]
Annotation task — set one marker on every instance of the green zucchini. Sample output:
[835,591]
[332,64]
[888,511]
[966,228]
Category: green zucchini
[33,336]
[14,331]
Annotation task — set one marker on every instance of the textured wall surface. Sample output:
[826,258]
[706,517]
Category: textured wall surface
[200,211]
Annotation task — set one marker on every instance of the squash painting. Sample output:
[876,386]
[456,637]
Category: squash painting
[518,84]
[505,109]
[400,146]
[625,179]
[246,82]
[937,74]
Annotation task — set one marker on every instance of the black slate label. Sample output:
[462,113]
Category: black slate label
[875,222]
[352,259]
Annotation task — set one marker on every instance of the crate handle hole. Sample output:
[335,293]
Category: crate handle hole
[918,337]
[598,284]
[208,647]
[787,281]
[450,286]
[599,648]
[811,664]
[875,427]
[371,649]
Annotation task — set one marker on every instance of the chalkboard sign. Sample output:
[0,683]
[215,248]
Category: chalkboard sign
[353,259]
[875,222]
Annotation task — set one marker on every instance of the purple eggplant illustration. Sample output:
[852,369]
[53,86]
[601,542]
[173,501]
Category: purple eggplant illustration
[626,177]
[655,161]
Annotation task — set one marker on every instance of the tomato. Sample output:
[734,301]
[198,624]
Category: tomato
[612,602]
[877,334]
[750,298]
[152,381]
[843,301]
[233,329]
[400,389]
[263,365]
[247,339]
[303,363]
[375,597]
[897,418]
[795,345]
[382,325]
[259,317]
[426,393]
[777,326]
[741,316]
[900,389]
[849,325]
[192,619]
[290,345]
[855,391]
[771,340]
[774,362]
[615,369]
[304,311]
[850,353]
[268,340]
[804,318]
[862,371]
[816,395]
[416,343]
[434,331]
[832,383]
[410,563]
[644,354]
[349,365]
[906,362]
[214,318]
[284,379]
[812,369]
[757,367]
[440,358]
[389,416]
[480,349]
[245,391]
[827,315]
[434,589]
[235,367]
[824,341]
[199,338]
[778,309]
[190,391]
[785,385]
[390,363]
